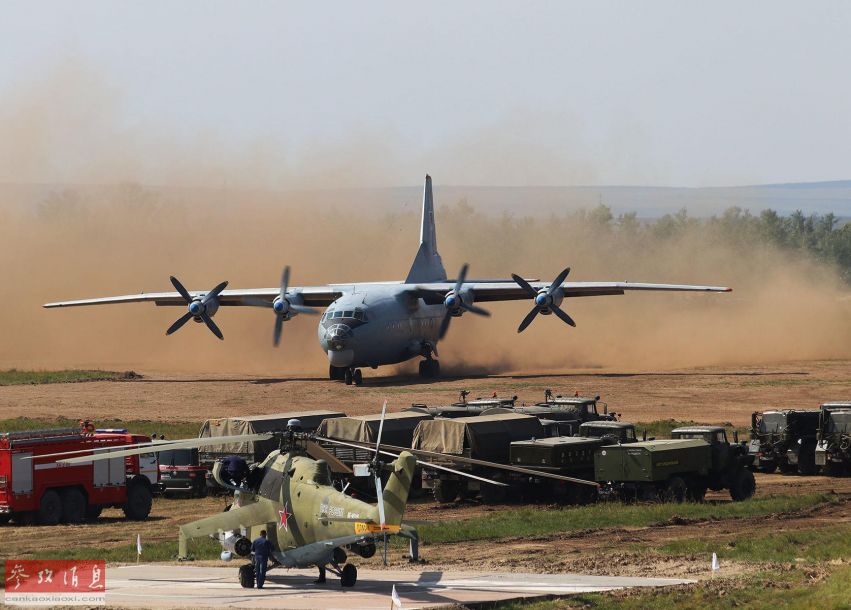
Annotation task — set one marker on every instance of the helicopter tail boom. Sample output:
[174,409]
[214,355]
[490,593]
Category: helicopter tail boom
[397,488]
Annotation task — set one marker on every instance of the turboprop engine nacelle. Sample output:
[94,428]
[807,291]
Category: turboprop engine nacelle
[237,543]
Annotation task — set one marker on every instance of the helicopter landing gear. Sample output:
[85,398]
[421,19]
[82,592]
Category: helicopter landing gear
[349,576]
[246,576]
[321,579]
[353,376]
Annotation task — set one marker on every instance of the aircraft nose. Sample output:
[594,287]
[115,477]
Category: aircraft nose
[339,336]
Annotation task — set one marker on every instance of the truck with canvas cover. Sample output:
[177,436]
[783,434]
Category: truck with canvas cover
[784,439]
[484,437]
[35,488]
[833,451]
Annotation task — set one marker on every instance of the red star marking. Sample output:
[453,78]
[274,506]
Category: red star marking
[285,515]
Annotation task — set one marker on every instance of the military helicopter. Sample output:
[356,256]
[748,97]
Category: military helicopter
[290,494]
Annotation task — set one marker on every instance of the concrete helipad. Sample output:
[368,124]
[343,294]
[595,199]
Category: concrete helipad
[176,586]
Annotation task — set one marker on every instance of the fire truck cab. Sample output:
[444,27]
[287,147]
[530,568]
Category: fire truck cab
[39,489]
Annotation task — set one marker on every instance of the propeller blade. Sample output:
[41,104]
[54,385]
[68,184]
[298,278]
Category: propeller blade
[179,322]
[317,452]
[381,425]
[444,324]
[304,309]
[462,275]
[285,281]
[179,287]
[558,281]
[214,293]
[211,325]
[527,320]
[256,302]
[476,310]
[524,285]
[279,326]
[379,494]
[561,314]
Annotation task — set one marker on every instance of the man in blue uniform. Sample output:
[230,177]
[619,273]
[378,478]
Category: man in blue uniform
[261,548]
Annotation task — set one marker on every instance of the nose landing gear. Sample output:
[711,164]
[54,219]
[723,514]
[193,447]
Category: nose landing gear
[348,375]
[429,368]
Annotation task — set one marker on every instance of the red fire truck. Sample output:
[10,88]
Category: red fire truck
[38,489]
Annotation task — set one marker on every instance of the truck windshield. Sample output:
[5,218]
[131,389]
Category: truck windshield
[772,423]
[179,457]
[840,422]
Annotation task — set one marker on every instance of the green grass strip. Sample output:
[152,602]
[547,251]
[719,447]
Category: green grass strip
[16,377]
[171,430]
[536,521]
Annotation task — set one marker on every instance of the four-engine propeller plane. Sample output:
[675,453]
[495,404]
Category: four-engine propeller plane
[380,323]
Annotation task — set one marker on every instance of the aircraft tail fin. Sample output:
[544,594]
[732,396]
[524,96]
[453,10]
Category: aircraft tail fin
[427,267]
[397,488]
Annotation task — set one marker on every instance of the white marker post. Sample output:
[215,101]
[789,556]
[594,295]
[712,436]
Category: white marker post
[395,600]
[715,565]
[138,547]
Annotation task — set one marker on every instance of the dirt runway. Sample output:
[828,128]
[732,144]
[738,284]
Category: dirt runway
[707,395]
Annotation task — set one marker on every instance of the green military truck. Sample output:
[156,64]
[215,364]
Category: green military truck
[833,448]
[483,437]
[784,439]
[695,459]
[611,431]
[570,456]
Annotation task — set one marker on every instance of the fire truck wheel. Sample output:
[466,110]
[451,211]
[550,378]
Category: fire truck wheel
[139,501]
[73,506]
[4,518]
[93,512]
[49,508]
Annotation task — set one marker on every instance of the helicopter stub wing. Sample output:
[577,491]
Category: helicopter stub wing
[258,513]
[316,553]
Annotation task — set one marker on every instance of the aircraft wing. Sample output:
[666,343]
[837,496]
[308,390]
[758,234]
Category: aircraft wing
[314,296]
[433,293]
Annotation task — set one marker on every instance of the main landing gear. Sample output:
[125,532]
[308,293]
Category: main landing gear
[348,573]
[429,368]
[348,375]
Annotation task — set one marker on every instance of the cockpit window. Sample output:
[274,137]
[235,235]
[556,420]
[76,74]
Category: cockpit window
[338,314]
[359,315]
[349,314]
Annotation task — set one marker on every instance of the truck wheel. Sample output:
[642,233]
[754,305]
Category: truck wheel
[581,495]
[73,506]
[696,492]
[743,485]
[139,501]
[807,461]
[445,491]
[675,490]
[493,494]
[201,491]
[768,467]
[246,576]
[93,512]
[787,468]
[5,518]
[349,576]
[49,508]
[834,469]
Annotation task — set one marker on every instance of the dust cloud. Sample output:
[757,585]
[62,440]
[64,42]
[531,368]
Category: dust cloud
[110,235]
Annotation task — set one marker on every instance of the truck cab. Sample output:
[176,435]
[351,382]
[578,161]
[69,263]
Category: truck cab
[182,473]
[611,431]
[833,449]
[784,439]
[727,457]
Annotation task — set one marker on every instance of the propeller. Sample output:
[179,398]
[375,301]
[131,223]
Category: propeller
[455,305]
[201,307]
[284,305]
[376,467]
[546,300]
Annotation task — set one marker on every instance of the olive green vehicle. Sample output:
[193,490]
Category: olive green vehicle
[464,407]
[695,459]
[564,455]
[610,431]
[833,449]
[784,439]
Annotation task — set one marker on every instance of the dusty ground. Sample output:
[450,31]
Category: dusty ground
[710,395]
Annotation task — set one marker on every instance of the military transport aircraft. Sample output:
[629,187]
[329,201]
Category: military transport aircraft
[377,323]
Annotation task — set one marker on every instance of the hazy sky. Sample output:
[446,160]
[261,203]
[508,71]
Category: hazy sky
[675,93]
